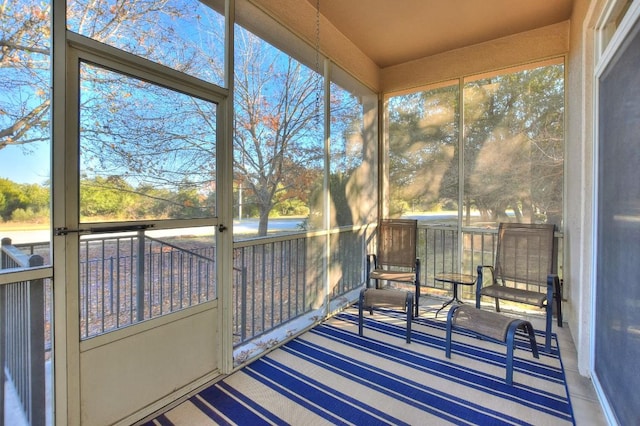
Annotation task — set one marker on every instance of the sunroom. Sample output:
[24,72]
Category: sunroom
[186,185]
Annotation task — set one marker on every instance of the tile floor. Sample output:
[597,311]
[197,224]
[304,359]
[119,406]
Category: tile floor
[586,406]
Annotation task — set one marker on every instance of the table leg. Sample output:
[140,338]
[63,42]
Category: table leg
[453,299]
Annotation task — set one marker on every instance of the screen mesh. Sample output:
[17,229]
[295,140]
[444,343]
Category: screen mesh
[617,329]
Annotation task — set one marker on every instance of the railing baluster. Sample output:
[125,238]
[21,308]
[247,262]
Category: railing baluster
[102,280]
[298,257]
[243,299]
[4,328]
[117,297]
[22,335]
[264,276]
[140,277]
[180,275]
[86,291]
[132,258]
[254,271]
[290,266]
[273,282]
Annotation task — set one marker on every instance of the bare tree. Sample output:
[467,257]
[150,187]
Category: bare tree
[513,146]
[24,71]
[276,128]
[136,130]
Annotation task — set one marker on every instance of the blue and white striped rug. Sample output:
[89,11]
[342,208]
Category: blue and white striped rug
[330,375]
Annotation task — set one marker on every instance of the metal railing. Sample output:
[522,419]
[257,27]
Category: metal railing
[276,279]
[22,335]
[439,252]
[128,279]
[277,270]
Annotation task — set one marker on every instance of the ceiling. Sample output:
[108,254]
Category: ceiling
[392,32]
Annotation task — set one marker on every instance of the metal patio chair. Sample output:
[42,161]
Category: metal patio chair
[524,271]
[395,260]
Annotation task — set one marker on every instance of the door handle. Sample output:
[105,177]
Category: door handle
[221,228]
[102,230]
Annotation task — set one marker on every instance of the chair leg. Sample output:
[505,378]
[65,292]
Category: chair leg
[511,332]
[559,311]
[361,312]
[509,378]
[447,346]
[547,332]
[558,298]
[409,315]
[528,328]
[478,287]
[549,311]
[417,302]
[554,292]
[417,282]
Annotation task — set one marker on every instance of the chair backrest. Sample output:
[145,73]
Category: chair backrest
[397,242]
[525,253]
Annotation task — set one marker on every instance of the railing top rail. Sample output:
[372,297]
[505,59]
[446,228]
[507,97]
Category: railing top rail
[296,235]
[173,246]
[469,229]
[21,260]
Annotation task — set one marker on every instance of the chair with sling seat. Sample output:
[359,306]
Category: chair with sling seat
[524,271]
[395,260]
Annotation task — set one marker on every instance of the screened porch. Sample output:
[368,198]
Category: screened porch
[186,187]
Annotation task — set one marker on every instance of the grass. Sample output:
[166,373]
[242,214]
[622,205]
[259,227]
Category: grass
[23,226]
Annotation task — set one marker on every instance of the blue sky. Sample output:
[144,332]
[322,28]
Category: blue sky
[25,167]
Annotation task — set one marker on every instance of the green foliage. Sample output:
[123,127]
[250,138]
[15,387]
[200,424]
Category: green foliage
[110,198]
[29,215]
[186,204]
[423,146]
[514,150]
[105,197]
[26,201]
[513,146]
[114,198]
[290,207]
[397,208]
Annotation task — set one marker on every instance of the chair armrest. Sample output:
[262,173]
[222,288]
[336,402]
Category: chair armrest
[554,292]
[479,281]
[371,258]
[553,288]
[480,271]
[553,281]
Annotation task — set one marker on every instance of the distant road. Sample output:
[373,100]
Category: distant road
[29,236]
[243,226]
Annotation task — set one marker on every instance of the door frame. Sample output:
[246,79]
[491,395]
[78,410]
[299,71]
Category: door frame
[613,26]
[65,181]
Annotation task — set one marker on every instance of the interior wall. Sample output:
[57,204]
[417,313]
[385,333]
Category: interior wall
[573,38]
[506,52]
[300,18]
[579,175]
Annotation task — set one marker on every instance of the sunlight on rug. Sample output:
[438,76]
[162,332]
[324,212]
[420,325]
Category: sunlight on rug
[330,375]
